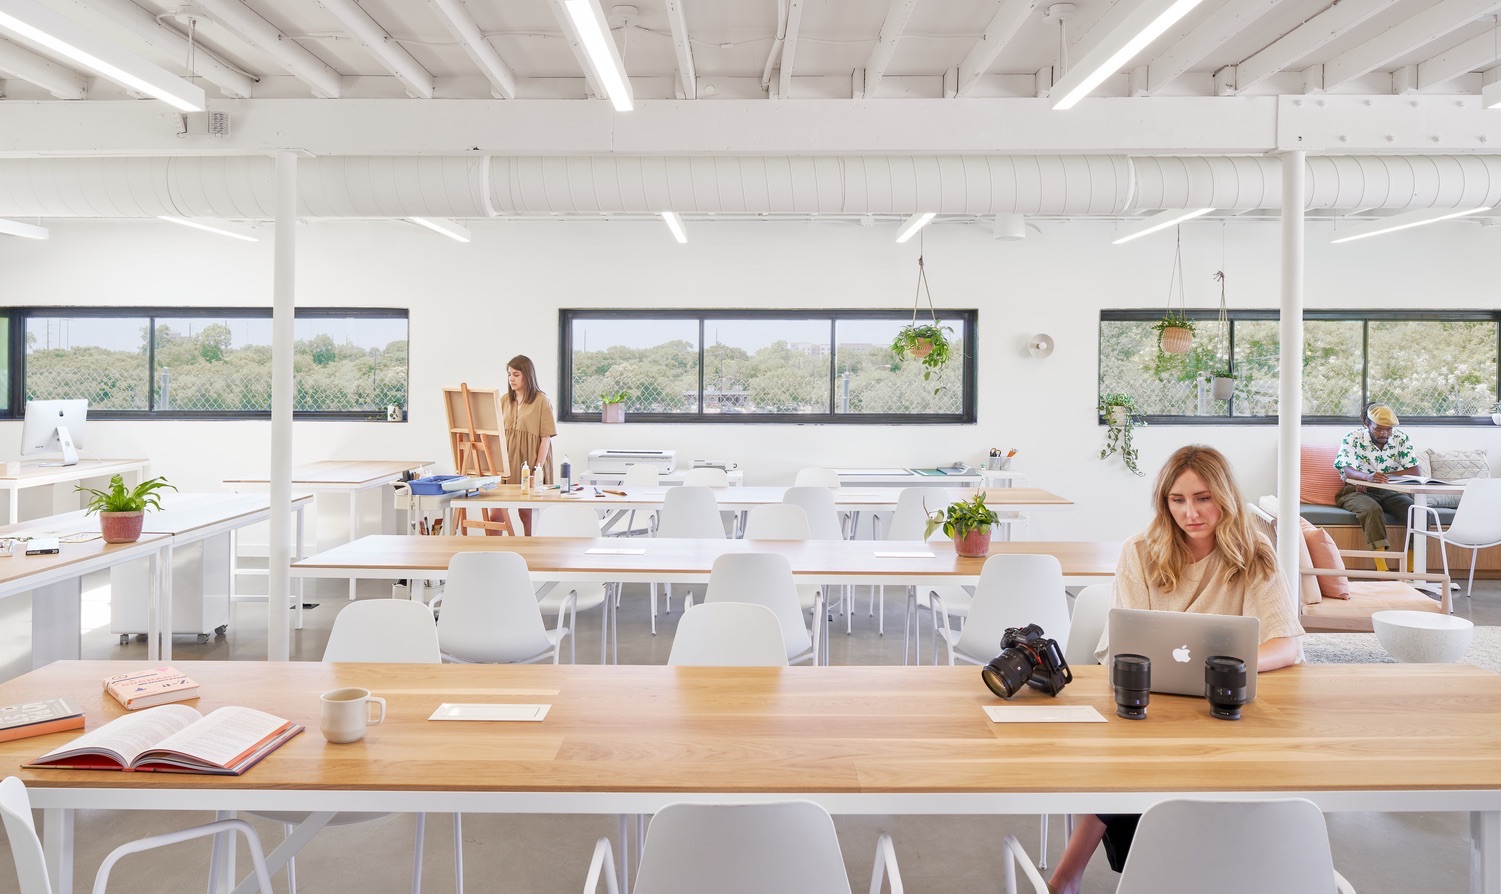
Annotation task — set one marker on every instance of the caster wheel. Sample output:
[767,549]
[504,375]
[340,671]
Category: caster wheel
[141,637]
[124,639]
[202,638]
[219,631]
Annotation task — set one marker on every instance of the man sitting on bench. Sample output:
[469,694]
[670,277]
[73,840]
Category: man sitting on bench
[1374,452]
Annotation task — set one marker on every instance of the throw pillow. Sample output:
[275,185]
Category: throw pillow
[1323,553]
[1308,584]
[1455,467]
[1318,483]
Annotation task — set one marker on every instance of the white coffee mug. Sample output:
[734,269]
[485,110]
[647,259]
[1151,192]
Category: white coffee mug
[347,712]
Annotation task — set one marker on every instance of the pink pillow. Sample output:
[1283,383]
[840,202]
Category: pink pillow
[1325,554]
[1318,483]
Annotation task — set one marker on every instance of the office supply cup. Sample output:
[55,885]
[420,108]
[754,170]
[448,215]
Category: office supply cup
[1225,685]
[348,712]
[1131,678]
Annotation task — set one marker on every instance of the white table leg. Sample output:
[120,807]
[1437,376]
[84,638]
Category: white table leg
[56,622]
[1420,553]
[354,528]
[57,845]
[1485,852]
[159,636]
[15,506]
[299,550]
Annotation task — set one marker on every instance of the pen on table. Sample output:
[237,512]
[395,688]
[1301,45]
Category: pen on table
[618,493]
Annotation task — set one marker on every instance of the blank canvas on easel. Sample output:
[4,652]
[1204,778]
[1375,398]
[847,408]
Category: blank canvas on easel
[475,431]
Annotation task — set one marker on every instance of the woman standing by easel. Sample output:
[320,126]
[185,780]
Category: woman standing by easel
[527,417]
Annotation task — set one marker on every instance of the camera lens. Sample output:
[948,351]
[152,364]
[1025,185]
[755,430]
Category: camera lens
[1007,672]
[1131,676]
[1225,685]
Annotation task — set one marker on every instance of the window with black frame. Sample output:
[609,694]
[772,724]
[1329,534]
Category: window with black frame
[761,366]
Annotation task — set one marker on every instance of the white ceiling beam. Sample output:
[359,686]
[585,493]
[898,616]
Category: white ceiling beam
[1476,53]
[466,31]
[1002,29]
[576,44]
[232,82]
[392,56]
[60,81]
[687,78]
[24,230]
[1123,32]
[266,37]
[1407,36]
[1295,45]
[789,48]
[1195,46]
[897,15]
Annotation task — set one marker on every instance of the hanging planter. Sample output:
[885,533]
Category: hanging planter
[928,342]
[1222,384]
[1119,412]
[1175,332]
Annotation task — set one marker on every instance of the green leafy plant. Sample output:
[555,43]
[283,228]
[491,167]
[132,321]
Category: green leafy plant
[117,499]
[925,343]
[615,397]
[962,517]
[1118,434]
[1173,319]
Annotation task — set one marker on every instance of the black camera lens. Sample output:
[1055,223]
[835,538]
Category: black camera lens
[1131,677]
[1007,672]
[1225,685]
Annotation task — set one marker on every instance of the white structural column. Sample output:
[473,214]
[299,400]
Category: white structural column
[1290,363]
[284,302]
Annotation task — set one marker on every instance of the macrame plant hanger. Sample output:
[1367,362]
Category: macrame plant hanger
[922,286]
[1174,335]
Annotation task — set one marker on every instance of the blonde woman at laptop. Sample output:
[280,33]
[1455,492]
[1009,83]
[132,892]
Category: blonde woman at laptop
[1199,554]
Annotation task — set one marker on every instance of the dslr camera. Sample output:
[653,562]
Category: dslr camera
[1027,656]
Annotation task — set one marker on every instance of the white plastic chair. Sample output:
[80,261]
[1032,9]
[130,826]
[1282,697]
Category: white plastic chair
[817,478]
[575,521]
[1014,591]
[490,613]
[766,579]
[728,634]
[1476,524]
[640,475]
[710,476]
[1087,624]
[31,864]
[690,511]
[789,847]
[1184,845]
[908,521]
[823,524]
[777,521]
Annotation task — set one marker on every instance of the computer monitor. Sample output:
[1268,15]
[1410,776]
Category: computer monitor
[54,426]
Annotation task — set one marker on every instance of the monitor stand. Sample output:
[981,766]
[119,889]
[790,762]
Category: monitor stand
[70,453]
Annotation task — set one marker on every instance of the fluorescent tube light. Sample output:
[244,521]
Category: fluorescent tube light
[1138,29]
[1159,221]
[675,224]
[51,31]
[1404,221]
[599,46]
[1490,96]
[450,228]
[914,223]
[217,227]
[25,231]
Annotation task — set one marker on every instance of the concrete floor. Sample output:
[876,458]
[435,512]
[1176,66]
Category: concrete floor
[1378,853]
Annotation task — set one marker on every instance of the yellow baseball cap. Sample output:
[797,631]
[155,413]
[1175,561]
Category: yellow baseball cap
[1384,416]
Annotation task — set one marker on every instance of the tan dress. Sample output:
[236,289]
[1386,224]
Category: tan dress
[526,424]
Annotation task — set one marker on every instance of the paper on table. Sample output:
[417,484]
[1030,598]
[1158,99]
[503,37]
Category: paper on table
[448,711]
[903,554]
[602,551]
[1043,714]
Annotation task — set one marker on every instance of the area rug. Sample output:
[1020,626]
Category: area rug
[1362,648]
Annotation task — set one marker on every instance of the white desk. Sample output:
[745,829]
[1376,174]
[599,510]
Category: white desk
[736,477]
[39,473]
[899,477]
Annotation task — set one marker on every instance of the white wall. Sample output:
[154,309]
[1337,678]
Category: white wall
[474,306]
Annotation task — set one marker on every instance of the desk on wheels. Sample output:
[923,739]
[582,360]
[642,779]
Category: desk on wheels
[47,473]
[858,740]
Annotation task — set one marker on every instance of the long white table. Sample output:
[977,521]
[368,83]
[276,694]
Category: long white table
[44,473]
[1420,494]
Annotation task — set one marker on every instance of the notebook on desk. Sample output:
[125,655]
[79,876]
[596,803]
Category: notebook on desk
[1178,642]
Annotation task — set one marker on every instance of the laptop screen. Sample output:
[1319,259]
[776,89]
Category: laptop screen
[1178,642]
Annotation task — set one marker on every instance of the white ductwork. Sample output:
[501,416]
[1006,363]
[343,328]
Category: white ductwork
[1213,181]
[1404,181]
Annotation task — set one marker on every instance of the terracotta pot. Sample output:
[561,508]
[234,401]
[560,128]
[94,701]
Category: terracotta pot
[614,412]
[975,544]
[121,527]
[923,348]
[1176,341]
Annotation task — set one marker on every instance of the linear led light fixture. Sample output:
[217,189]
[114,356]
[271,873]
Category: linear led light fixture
[914,223]
[209,225]
[1159,221]
[24,230]
[1490,96]
[1143,25]
[599,47]
[450,228]
[675,224]
[1404,221]
[47,29]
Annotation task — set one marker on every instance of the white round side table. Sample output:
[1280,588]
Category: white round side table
[1423,637]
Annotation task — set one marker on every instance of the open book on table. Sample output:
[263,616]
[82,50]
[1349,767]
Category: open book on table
[176,739]
[1412,479]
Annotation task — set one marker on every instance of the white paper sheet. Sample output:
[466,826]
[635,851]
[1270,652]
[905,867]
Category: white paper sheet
[1043,714]
[605,551]
[448,711]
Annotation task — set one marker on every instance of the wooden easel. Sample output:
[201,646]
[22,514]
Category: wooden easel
[478,440]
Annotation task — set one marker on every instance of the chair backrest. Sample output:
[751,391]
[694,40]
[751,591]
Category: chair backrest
[1188,846]
[789,847]
[762,579]
[690,511]
[567,521]
[728,634]
[1478,518]
[909,518]
[1014,591]
[395,631]
[1087,624]
[816,478]
[818,503]
[640,475]
[1308,592]
[709,476]
[25,846]
[490,611]
[777,521]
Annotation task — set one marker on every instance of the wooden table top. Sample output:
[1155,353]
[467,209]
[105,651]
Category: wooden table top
[181,513]
[394,555]
[846,498]
[857,730]
[1416,488]
[38,472]
[335,472]
[20,573]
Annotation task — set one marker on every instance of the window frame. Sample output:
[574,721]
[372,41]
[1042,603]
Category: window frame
[968,366]
[1365,317]
[19,316]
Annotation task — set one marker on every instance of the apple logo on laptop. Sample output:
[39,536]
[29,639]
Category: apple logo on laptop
[1180,654]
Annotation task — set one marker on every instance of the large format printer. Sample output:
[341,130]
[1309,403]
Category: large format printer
[613,462]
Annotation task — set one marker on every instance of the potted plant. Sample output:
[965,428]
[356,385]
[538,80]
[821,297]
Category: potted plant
[613,405]
[968,523]
[1175,333]
[1222,383]
[121,511]
[1119,413]
[925,342]
[1496,413]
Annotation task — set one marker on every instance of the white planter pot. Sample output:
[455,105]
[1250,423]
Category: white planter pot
[1222,387]
[1496,418]
[1118,416]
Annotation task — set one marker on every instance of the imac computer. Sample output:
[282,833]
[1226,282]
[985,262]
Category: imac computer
[54,426]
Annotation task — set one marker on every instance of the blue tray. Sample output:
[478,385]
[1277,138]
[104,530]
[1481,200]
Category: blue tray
[432,485]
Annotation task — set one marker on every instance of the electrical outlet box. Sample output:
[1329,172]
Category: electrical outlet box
[205,124]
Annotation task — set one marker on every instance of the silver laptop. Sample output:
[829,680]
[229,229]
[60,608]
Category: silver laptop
[1178,643]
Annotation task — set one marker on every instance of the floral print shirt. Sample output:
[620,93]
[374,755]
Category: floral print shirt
[1357,452]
